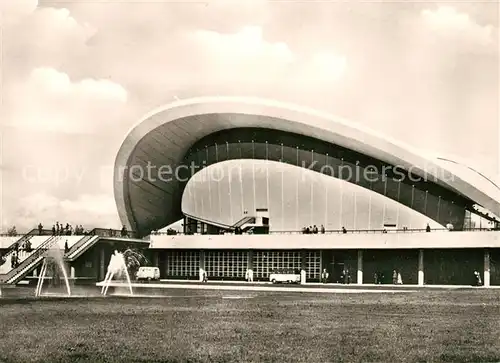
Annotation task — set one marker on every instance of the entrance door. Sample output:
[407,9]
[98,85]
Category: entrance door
[328,264]
[339,272]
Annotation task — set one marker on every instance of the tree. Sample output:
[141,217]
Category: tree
[12,232]
[133,260]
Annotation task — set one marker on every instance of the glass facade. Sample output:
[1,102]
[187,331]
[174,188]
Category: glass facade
[182,264]
[230,264]
[313,265]
[425,196]
[226,264]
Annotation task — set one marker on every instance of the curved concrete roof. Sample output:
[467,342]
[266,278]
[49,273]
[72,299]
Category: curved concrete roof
[473,176]
[177,126]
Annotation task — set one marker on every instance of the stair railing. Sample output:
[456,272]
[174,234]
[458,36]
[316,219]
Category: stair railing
[31,258]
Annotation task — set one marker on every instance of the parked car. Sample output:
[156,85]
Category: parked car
[148,273]
[285,276]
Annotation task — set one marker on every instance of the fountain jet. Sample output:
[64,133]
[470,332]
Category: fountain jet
[53,260]
[117,266]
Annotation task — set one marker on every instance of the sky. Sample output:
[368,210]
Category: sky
[76,76]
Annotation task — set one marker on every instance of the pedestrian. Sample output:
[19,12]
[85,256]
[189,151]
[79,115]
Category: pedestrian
[477,277]
[124,232]
[394,277]
[324,276]
[400,279]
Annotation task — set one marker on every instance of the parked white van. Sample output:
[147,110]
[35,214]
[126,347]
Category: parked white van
[285,276]
[148,273]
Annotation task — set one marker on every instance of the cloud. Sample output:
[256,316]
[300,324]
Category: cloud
[89,210]
[242,56]
[245,45]
[451,25]
[40,37]
[49,100]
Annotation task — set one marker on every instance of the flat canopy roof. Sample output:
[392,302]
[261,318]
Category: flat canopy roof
[432,240]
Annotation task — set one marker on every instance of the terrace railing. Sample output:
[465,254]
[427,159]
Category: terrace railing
[116,233]
[369,231]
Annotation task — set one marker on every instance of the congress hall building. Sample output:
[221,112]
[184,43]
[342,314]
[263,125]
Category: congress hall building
[246,176]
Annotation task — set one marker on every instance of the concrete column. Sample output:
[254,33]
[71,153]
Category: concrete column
[102,266]
[72,272]
[420,267]
[250,264]
[202,264]
[156,259]
[360,267]
[303,262]
[95,265]
[250,260]
[320,262]
[486,268]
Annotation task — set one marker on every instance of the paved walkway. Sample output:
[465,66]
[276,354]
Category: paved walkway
[330,285]
[252,288]
[263,286]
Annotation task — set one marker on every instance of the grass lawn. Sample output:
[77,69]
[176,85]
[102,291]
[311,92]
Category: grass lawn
[200,326]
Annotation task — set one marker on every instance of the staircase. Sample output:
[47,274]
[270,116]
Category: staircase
[80,247]
[243,221]
[21,241]
[10,251]
[245,224]
[16,274]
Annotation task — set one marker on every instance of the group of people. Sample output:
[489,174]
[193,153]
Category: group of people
[58,229]
[344,278]
[123,232]
[379,277]
[313,230]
